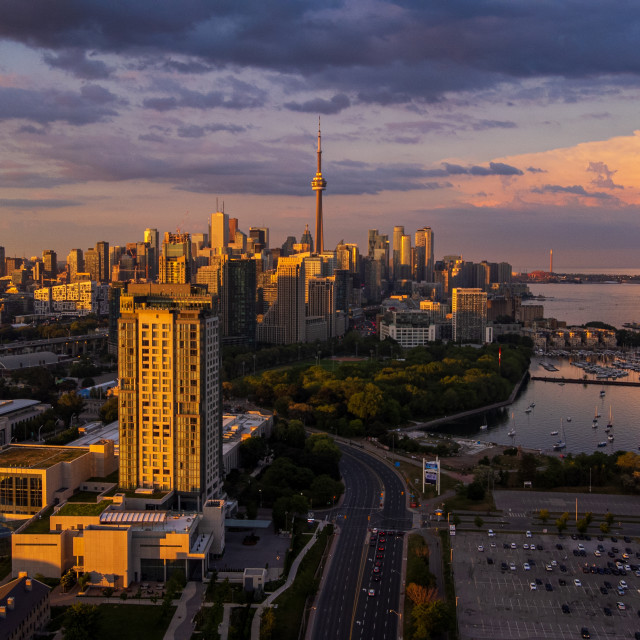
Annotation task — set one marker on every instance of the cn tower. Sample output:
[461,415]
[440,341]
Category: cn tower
[319,184]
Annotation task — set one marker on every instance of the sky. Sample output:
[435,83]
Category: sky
[510,127]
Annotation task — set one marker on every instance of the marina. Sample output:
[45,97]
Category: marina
[562,417]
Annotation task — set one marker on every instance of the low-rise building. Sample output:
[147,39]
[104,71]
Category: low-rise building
[35,476]
[115,545]
[24,608]
[14,412]
[238,427]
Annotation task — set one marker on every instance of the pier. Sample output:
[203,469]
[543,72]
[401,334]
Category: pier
[612,383]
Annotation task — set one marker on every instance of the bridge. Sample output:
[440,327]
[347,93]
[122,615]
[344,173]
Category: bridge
[67,345]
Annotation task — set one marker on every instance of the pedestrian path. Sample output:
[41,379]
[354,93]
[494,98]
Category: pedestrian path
[255,626]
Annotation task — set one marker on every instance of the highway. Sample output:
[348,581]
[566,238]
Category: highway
[374,498]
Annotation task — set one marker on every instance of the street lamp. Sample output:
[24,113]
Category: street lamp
[260,492]
[394,611]
[39,430]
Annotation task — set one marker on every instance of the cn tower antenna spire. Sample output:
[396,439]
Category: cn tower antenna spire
[319,184]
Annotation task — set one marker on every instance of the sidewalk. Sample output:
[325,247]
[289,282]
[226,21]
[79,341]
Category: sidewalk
[182,625]
[255,626]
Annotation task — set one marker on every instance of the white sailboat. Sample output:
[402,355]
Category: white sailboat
[560,444]
[512,431]
[610,423]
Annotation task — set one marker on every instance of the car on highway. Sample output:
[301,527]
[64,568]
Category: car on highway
[584,632]
[380,548]
[376,569]
[371,592]
[576,582]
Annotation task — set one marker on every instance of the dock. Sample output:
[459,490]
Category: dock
[612,383]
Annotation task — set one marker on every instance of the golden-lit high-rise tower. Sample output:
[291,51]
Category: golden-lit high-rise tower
[170,393]
[319,184]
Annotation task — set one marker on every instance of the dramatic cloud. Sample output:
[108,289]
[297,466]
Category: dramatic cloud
[494,169]
[604,179]
[576,190]
[18,203]
[391,52]
[92,104]
[319,105]
[75,61]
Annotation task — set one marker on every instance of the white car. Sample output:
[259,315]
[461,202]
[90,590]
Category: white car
[577,582]
[491,533]
[514,545]
[493,545]
[532,547]
[526,566]
[620,606]
[512,566]
[480,547]
[549,567]
[525,546]
[580,547]
[596,553]
[533,586]
[623,584]
[627,568]
[528,534]
[554,563]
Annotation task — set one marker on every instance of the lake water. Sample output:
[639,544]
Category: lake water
[553,405]
[577,304]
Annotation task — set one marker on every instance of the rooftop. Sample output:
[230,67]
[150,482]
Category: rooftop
[9,406]
[83,508]
[26,456]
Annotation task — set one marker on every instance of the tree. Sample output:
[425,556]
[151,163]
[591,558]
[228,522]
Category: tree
[475,491]
[543,514]
[68,580]
[605,527]
[267,624]
[478,521]
[588,516]
[109,410]
[561,524]
[251,451]
[420,594]
[81,622]
[582,525]
[609,518]
[69,404]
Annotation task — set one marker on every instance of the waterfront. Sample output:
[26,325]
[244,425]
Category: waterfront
[555,402]
[577,304]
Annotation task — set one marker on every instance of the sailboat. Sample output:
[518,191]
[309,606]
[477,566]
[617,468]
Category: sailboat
[595,418]
[602,392]
[610,423]
[484,426]
[560,444]
[512,431]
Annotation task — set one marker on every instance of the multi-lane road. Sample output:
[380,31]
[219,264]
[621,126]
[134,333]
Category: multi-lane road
[354,601]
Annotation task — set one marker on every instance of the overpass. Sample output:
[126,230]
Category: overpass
[67,345]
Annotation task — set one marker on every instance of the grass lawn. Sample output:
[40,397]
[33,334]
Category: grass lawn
[291,603]
[411,473]
[131,622]
[83,509]
[462,503]
[41,525]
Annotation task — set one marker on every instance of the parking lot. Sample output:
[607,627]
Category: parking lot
[497,602]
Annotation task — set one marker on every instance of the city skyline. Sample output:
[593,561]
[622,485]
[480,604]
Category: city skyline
[480,117]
